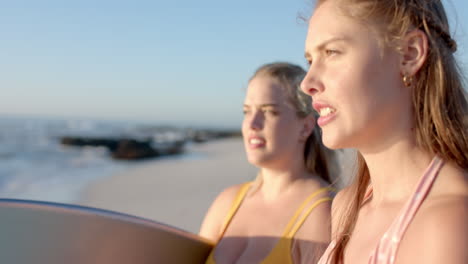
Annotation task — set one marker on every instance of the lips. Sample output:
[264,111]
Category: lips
[327,112]
[256,142]
[322,108]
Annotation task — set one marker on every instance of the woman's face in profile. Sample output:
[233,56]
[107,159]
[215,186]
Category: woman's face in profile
[355,83]
[271,127]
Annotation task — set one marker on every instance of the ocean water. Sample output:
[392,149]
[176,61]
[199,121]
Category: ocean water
[34,165]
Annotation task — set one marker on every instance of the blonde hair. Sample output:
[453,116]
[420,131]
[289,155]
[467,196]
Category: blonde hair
[317,158]
[439,101]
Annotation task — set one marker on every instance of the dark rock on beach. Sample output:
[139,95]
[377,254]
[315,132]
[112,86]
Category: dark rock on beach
[110,144]
[150,143]
[200,136]
[127,148]
[130,149]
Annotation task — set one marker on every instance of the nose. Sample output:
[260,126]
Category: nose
[256,120]
[310,84]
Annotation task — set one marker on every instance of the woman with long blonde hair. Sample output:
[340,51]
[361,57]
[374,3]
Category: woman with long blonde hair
[283,216]
[384,78]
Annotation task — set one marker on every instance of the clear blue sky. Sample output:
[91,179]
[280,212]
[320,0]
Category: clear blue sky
[174,61]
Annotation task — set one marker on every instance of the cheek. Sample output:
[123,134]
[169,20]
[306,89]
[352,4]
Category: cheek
[359,75]
[345,85]
[352,87]
[287,133]
[382,85]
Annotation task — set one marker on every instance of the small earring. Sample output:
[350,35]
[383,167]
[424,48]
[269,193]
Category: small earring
[407,80]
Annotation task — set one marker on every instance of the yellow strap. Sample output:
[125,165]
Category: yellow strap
[304,216]
[301,208]
[235,206]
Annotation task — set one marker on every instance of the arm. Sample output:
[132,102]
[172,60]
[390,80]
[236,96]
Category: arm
[214,218]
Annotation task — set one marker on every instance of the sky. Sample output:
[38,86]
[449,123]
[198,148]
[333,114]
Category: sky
[180,62]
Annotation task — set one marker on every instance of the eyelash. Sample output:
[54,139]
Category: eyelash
[273,112]
[330,52]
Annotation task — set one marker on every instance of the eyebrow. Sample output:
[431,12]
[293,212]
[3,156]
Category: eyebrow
[264,105]
[328,41]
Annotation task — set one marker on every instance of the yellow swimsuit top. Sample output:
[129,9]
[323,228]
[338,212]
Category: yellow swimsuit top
[281,252]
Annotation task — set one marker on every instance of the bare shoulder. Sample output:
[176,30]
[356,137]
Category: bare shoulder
[317,225]
[451,180]
[314,235]
[318,197]
[440,230]
[211,225]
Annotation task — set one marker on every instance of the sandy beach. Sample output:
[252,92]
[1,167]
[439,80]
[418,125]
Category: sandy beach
[174,191]
[178,191]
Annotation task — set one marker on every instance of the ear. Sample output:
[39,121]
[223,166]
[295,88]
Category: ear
[414,48]
[308,126]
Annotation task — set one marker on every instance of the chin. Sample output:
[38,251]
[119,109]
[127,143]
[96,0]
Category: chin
[333,142]
[256,161]
[259,160]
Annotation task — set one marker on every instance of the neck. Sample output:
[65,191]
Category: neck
[395,171]
[277,182]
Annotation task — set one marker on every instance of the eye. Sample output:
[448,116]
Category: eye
[270,112]
[331,52]
[245,111]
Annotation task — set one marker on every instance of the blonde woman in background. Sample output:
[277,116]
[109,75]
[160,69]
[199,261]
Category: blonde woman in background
[284,215]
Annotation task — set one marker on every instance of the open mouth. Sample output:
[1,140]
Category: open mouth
[325,111]
[256,142]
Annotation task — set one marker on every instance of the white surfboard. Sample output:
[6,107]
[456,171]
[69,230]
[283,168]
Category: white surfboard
[34,232]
